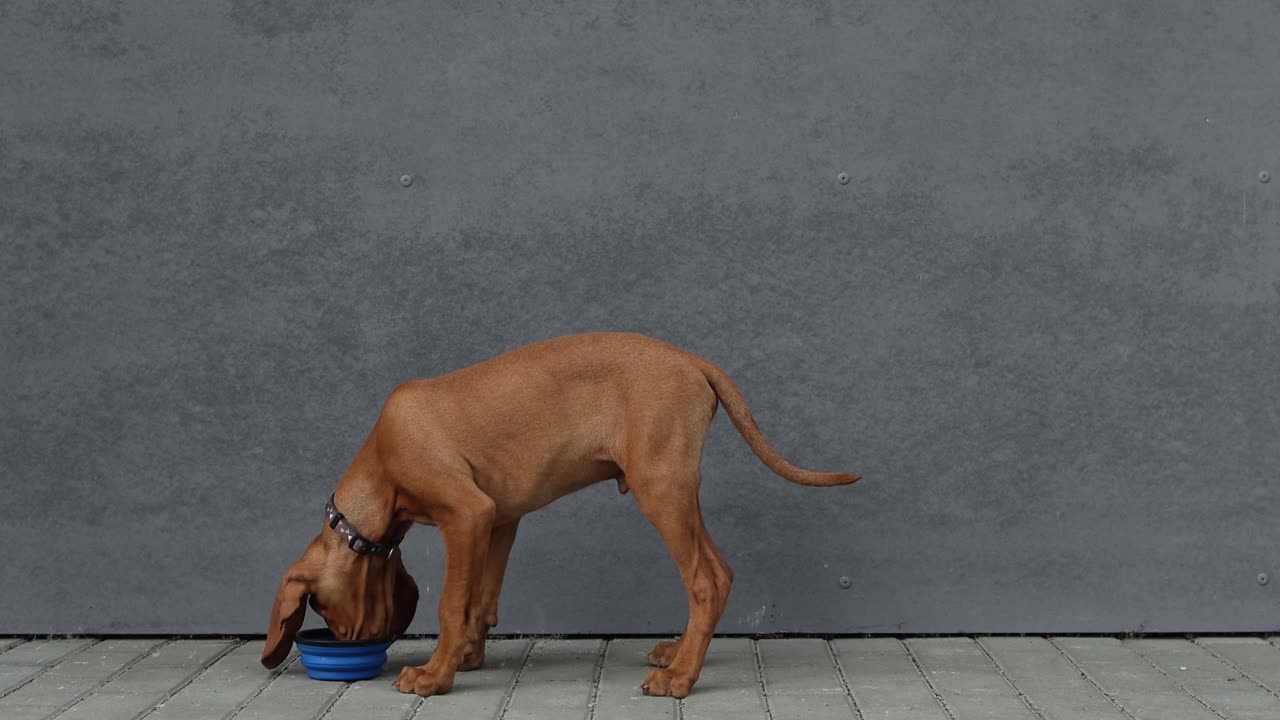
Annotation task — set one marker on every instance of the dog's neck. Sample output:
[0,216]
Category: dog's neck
[370,511]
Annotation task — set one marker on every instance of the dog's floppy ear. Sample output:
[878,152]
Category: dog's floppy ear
[406,598]
[286,614]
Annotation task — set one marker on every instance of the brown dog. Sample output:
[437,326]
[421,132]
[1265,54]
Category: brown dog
[474,450]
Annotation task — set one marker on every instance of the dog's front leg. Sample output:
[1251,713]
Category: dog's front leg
[466,533]
[484,605]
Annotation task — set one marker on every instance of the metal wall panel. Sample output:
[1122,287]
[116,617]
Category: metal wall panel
[1041,316]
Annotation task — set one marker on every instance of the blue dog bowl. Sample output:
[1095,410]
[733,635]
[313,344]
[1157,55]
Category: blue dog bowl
[328,659]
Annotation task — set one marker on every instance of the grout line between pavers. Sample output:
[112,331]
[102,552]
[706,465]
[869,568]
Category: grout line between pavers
[764,691]
[1085,674]
[412,711]
[596,674]
[1169,677]
[678,703]
[271,677]
[1238,669]
[515,680]
[844,680]
[189,679]
[323,712]
[20,643]
[49,666]
[101,683]
[942,703]
[1000,669]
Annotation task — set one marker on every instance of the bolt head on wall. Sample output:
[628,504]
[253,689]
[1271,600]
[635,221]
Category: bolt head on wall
[1264,176]
[406,180]
[843,178]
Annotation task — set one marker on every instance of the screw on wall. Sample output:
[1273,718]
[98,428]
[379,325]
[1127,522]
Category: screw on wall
[1263,579]
[845,582]
[843,178]
[406,180]
[1264,176]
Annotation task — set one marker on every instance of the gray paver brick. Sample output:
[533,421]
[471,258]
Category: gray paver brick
[6,643]
[1238,677]
[729,685]
[798,666]
[376,697]
[29,712]
[110,706]
[1256,657]
[373,698]
[1129,679]
[557,679]
[1053,685]
[12,676]
[971,686]
[801,681]
[130,646]
[625,668]
[221,688]
[44,652]
[412,651]
[148,682]
[480,693]
[1215,683]
[807,705]
[24,661]
[157,674]
[72,678]
[884,681]
[104,658]
[185,653]
[292,695]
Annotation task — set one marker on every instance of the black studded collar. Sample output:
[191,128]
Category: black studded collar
[357,542]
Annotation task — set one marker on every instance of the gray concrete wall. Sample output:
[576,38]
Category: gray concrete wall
[1042,317]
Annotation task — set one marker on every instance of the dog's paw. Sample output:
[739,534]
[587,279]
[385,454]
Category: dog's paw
[404,681]
[663,683]
[663,653]
[418,681]
[408,676]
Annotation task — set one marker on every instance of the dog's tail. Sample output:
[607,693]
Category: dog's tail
[736,407]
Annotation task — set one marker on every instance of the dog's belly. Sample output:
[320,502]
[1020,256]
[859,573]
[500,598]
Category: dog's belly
[516,495]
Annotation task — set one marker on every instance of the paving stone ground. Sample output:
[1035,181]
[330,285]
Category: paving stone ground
[936,678]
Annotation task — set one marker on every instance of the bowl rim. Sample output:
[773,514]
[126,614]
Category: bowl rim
[323,637]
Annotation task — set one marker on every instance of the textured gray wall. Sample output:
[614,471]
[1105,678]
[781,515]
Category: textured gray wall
[1042,318]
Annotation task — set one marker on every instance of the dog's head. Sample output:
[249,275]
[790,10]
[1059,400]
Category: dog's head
[360,597]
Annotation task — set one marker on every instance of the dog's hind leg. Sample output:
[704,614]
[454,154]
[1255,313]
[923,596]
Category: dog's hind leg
[664,652]
[670,502]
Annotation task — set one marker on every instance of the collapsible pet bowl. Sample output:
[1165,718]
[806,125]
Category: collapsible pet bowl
[328,659]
